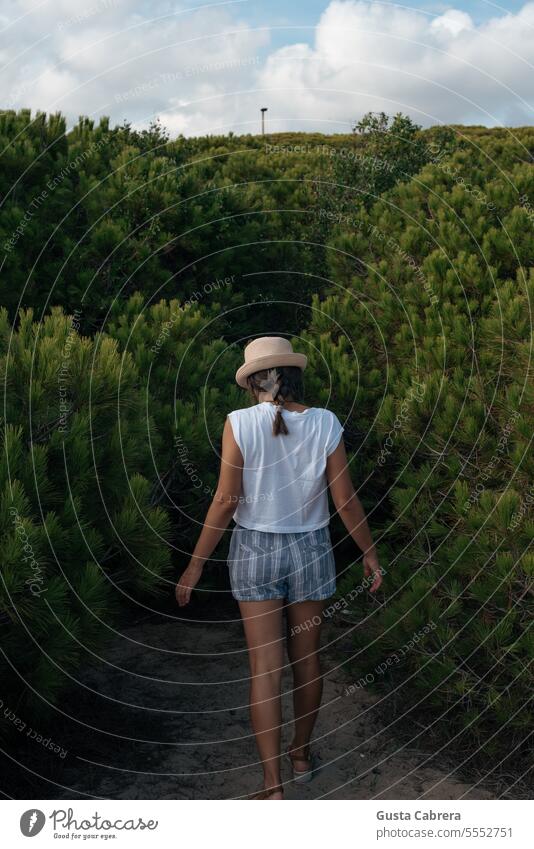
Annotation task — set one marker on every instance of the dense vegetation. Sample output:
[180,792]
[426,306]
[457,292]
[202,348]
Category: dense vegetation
[401,261]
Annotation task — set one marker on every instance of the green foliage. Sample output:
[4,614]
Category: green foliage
[423,349]
[401,259]
[80,529]
[393,152]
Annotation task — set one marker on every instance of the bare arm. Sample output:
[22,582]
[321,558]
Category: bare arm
[218,517]
[350,509]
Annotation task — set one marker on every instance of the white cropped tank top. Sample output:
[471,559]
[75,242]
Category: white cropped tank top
[285,489]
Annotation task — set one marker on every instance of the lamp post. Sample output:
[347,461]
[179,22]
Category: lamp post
[263,111]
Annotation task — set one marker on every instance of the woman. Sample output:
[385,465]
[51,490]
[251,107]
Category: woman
[279,457]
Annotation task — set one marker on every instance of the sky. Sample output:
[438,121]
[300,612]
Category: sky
[208,67]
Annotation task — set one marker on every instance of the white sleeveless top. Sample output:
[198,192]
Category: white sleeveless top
[285,489]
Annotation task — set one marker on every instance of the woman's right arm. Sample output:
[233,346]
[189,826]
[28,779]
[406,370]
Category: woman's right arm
[350,509]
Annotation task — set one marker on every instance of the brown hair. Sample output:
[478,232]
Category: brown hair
[291,389]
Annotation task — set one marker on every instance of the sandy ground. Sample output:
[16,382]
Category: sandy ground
[166,716]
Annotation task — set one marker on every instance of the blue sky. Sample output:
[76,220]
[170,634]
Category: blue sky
[306,12]
[297,18]
[317,65]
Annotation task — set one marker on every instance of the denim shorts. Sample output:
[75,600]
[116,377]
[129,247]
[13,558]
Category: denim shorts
[295,566]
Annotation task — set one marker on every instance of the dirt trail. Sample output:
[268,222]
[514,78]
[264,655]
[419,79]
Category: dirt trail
[191,739]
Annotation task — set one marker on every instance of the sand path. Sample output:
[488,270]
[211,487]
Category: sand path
[171,722]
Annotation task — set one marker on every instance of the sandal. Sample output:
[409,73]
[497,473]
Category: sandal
[301,776]
[266,794]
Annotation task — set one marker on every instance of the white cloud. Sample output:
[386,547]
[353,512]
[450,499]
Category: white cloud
[200,70]
[451,23]
[104,57]
[369,56]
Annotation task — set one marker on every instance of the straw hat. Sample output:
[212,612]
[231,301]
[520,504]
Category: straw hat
[266,352]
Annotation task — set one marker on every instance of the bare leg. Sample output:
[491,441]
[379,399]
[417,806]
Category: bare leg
[303,645]
[262,621]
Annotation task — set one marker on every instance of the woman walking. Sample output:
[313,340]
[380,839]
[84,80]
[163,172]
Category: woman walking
[279,459]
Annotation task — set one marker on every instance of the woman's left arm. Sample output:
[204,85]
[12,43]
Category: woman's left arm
[218,517]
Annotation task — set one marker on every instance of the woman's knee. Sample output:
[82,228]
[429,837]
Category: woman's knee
[307,667]
[266,665]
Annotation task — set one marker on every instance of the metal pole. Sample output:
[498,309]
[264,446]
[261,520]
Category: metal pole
[263,111]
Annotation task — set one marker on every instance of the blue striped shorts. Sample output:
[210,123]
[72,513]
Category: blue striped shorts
[295,566]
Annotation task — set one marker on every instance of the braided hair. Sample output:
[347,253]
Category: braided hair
[291,389]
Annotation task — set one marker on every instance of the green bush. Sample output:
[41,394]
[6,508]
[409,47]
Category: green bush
[80,531]
[424,352]
[408,286]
